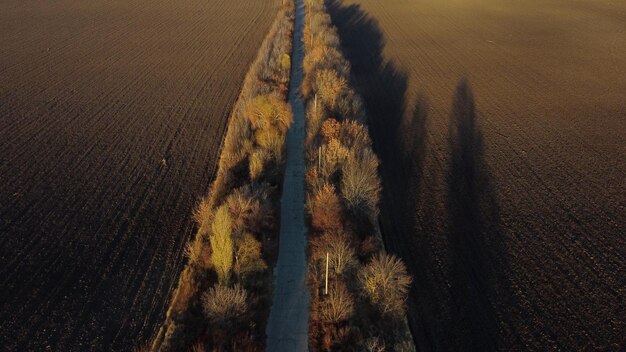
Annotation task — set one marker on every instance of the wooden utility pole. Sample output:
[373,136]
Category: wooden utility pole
[310,25]
[319,159]
[326,285]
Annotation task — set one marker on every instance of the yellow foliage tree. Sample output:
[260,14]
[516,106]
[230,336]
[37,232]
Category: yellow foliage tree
[269,111]
[222,244]
[248,257]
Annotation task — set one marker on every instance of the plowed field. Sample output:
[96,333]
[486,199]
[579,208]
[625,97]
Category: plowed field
[501,126]
[111,118]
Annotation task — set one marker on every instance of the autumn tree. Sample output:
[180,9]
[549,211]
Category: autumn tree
[224,306]
[339,305]
[326,209]
[360,184]
[248,256]
[341,254]
[329,87]
[222,244]
[385,283]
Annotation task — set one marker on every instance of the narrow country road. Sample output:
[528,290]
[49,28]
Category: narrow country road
[287,328]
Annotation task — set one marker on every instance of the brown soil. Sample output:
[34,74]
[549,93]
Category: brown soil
[501,127]
[111,118]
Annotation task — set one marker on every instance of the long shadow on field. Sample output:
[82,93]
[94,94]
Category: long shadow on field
[398,130]
[477,252]
[448,310]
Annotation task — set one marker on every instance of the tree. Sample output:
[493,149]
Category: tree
[360,184]
[225,307]
[330,129]
[248,256]
[354,135]
[269,111]
[250,209]
[339,305]
[326,209]
[271,139]
[341,255]
[334,154]
[257,161]
[386,283]
[329,87]
[222,244]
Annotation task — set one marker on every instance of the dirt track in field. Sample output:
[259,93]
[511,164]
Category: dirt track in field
[501,127]
[111,118]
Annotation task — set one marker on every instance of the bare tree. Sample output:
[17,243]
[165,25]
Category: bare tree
[385,283]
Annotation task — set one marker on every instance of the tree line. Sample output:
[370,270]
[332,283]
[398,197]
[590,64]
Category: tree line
[223,295]
[358,291]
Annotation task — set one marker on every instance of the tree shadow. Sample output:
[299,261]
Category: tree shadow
[453,310]
[478,265]
[398,130]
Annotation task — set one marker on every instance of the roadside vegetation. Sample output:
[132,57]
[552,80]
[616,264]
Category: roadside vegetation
[358,291]
[223,296]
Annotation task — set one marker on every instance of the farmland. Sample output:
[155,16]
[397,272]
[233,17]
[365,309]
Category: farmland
[500,127]
[112,115]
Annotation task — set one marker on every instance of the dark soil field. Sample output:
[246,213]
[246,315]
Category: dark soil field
[501,126]
[112,115]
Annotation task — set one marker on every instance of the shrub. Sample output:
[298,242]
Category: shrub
[360,184]
[285,62]
[338,305]
[202,215]
[237,143]
[326,209]
[198,254]
[385,282]
[222,244]
[374,344]
[198,347]
[225,307]
[186,289]
[248,256]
